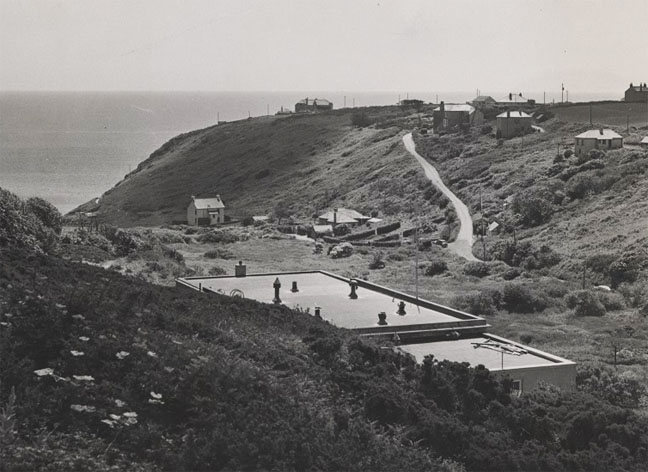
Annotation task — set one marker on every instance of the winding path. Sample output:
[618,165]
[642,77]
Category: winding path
[462,246]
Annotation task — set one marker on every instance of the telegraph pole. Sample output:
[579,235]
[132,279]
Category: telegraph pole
[268,109]
[562,93]
[345,101]
[544,98]
[590,114]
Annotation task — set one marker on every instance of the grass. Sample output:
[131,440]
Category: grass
[604,113]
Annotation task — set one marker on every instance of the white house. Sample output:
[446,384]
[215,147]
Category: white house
[644,143]
[206,211]
[513,123]
[342,216]
[597,139]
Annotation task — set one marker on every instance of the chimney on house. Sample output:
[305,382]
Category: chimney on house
[334,216]
[508,113]
[382,318]
[510,97]
[601,131]
[442,106]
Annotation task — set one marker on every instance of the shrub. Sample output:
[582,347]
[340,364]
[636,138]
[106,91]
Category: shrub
[521,299]
[377,261]
[480,303]
[486,129]
[477,269]
[511,273]
[604,383]
[219,254]
[341,250]
[247,221]
[218,236]
[361,119]
[436,268]
[585,303]
[215,270]
[47,213]
[568,153]
[341,230]
[534,205]
[524,254]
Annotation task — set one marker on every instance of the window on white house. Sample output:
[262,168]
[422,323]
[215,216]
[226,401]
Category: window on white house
[516,388]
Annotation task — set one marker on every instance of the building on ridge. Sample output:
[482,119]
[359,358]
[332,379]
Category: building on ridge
[451,115]
[637,93]
[513,123]
[602,139]
[309,105]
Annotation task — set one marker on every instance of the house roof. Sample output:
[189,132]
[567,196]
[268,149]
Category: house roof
[314,102]
[344,215]
[515,98]
[208,203]
[462,107]
[514,114]
[599,134]
[639,88]
[484,98]
[644,140]
[323,229]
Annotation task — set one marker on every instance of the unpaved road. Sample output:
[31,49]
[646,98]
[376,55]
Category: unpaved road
[462,246]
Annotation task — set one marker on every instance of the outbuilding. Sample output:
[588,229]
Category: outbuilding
[644,143]
[602,139]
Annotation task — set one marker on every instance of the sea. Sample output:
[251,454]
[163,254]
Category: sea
[70,147]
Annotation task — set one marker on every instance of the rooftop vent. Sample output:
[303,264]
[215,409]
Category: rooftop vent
[240,270]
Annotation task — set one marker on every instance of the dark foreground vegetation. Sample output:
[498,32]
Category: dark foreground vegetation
[105,372]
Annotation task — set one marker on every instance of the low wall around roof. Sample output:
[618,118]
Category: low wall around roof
[560,375]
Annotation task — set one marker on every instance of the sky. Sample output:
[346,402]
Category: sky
[336,45]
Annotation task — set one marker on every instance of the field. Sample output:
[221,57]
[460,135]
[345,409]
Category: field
[604,113]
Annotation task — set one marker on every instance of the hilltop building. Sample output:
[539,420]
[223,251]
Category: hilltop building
[448,116]
[418,327]
[309,105]
[345,216]
[206,211]
[597,139]
[515,99]
[637,93]
[513,123]
[483,100]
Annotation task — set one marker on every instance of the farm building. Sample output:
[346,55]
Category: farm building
[342,216]
[637,93]
[417,327]
[597,139]
[206,211]
[513,123]
[308,105]
[448,116]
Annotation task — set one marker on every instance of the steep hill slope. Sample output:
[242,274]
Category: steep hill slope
[308,162]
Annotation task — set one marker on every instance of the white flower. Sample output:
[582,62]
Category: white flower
[77,353]
[83,408]
[169,369]
[78,317]
[60,306]
[122,354]
[176,342]
[130,414]
[156,395]
[109,423]
[114,417]
[5,323]
[86,378]
[85,339]
[131,421]
[152,401]
[43,372]
[151,353]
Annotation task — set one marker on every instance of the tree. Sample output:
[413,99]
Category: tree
[46,213]
[281,211]
[534,205]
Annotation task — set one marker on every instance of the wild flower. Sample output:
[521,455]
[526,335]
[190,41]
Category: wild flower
[114,417]
[43,372]
[84,378]
[169,369]
[151,354]
[5,323]
[176,342]
[77,353]
[83,408]
[78,317]
[60,306]
[85,339]
[157,398]
[130,414]
[110,423]
[122,355]
[119,403]
[156,395]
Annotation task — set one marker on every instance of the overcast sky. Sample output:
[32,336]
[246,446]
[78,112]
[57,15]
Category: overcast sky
[268,45]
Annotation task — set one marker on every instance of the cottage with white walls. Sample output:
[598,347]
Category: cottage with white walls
[206,211]
[598,139]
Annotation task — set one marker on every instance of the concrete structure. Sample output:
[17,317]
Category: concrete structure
[342,216]
[513,123]
[308,105]
[449,116]
[644,143]
[602,139]
[206,211]
[419,327]
[637,93]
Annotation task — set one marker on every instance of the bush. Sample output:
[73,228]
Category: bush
[341,230]
[215,270]
[480,303]
[521,299]
[377,261]
[585,303]
[534,205]
[247,221]
[436,268]
[511,273]
[341,250]
[486,129]
[219,254]
[602,382]
[47,213]
[361,119]
[477,269]
[524,254]
[568,153]
[218,236]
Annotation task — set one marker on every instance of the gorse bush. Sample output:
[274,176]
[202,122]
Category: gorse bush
[523,299]
[436,268]
[585,303]
[524,254]
[477,269]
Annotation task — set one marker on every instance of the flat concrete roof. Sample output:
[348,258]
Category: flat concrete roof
[331,293]
[493,352]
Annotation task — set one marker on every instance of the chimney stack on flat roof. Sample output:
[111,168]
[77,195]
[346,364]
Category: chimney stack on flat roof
[354,285]
[382,318]
[240,270]
[401,309]
[318,312]
[277,285]
[294,288]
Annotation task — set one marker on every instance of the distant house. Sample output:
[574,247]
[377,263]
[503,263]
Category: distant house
[318,231]
[284,111]
[206,211]
[644,143]
[513,123]
[483,100]
[598,139]
[637,93]
[308,105]
[515,99]
[448,116]
[342,216]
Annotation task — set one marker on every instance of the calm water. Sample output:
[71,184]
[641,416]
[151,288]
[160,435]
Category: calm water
[69,147]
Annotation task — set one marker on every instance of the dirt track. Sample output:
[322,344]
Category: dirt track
[462,246]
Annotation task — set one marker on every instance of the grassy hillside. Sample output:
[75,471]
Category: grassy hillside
[99,371]
[604,113]
[308,162]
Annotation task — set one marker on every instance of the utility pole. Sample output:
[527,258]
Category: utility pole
[437,98]
[544,98]
[567,96]
[345,101]
[590,114]
[268,109]
[353,102]
[217,117]
[481,210]
[562,93]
